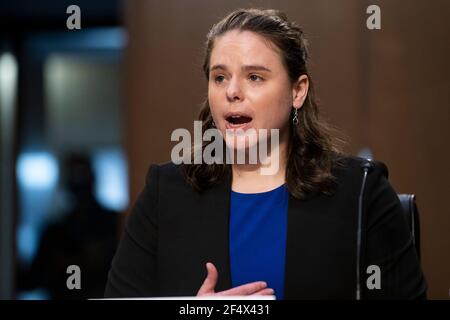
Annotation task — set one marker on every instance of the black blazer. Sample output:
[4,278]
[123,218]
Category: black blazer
[173,231]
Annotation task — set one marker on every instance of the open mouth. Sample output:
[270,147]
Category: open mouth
[238,120]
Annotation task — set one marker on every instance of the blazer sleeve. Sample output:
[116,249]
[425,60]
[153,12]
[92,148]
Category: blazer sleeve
[389,244]
[133,271]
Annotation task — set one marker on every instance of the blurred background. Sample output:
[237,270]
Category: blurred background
[84,112]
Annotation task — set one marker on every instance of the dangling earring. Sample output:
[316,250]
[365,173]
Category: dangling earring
[213,124]
[295,118]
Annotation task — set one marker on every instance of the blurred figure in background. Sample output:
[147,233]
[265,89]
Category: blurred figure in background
[86,236]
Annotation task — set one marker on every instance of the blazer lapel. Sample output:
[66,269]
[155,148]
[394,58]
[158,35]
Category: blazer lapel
[319,251]
[300,281]
[215,245]
[215,227]
[300,278]
[293,247]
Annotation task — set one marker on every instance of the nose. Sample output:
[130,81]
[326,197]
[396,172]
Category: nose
[234,91]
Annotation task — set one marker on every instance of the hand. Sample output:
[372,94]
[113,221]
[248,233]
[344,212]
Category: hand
[252,288]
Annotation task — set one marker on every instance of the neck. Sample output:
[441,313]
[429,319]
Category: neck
[261,177]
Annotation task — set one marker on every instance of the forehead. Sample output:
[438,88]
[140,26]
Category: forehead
[244,47]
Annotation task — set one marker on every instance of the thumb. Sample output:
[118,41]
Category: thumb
[210,282]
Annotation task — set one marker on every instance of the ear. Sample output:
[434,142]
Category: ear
[299,91]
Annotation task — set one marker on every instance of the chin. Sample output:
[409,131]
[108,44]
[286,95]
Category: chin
[241,142]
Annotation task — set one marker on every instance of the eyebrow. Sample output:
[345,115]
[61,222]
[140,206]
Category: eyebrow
[243,68]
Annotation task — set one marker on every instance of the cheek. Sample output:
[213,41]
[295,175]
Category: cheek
[278,119]
[276,111]
[213,103]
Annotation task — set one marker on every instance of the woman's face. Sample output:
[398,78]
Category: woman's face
[249,87]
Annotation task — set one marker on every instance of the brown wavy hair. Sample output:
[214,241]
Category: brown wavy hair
[312,143]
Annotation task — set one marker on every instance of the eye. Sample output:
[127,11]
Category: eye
[255,78]
[219,79]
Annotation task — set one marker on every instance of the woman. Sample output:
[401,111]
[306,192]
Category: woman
[291,233]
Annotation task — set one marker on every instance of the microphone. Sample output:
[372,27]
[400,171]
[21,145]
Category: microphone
[367,167]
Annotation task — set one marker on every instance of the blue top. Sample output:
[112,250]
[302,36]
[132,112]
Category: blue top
[258,229]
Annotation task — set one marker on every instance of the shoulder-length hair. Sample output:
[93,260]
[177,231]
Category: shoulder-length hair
[312,147]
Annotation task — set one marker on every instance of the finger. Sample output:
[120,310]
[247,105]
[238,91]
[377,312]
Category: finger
[210,282]
[264,292]
[245,289]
